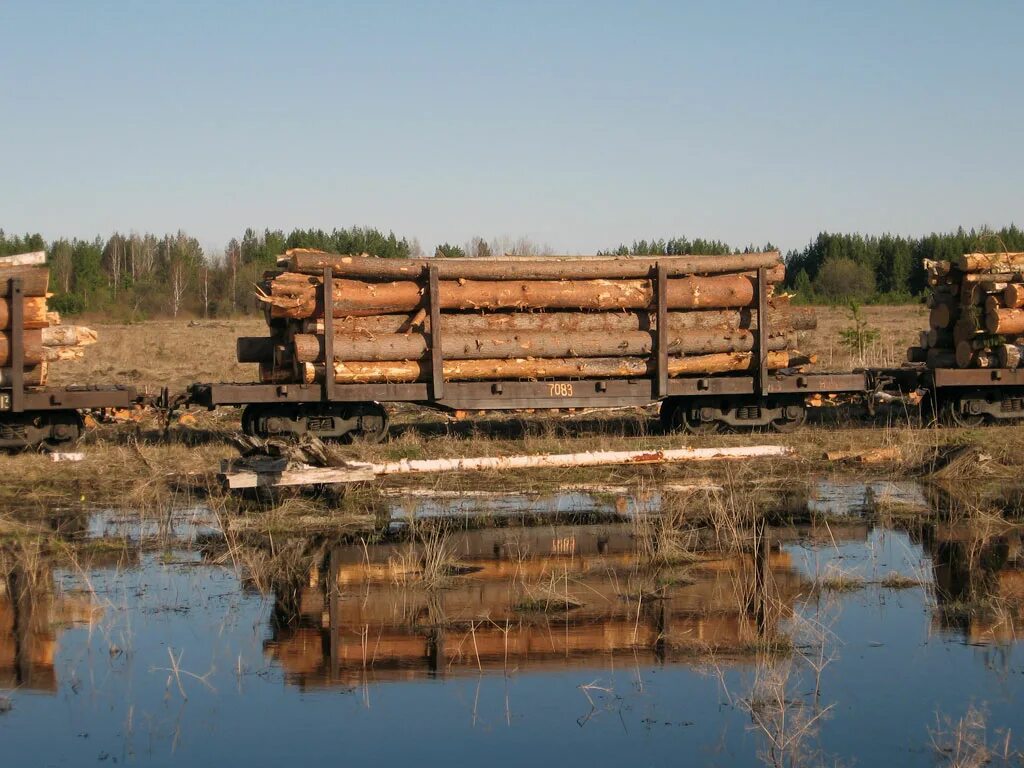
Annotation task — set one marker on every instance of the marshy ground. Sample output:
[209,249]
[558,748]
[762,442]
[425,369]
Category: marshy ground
[799,611]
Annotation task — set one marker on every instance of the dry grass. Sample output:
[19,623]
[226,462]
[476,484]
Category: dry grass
[898,326]
[967,743]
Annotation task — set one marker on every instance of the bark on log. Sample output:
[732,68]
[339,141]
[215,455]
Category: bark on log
[364,267]
[993,277]
[1009,321]
[989,262]
[780,320]
[34,313]
[992,303]
[1013,296]
[35,281]
[295,296]
[1009,355]
[272,374]
[357,372]
[941,358]
[537,344]
[33,348]
[965,353]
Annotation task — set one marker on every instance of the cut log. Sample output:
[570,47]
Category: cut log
[989,262]
[360,372]
[938,338]
[254,349]
[295,296]
[363,267]
[540,344]
[1009,355]
[917,354]
[31,259]
[33,377]
[33,348]
[965,354]
[1013,296]
[68,336]
[992,303]
[780,320]
[941,358]
[34,309]
[1005,322]
[941,316]
[272,374]
[35,281]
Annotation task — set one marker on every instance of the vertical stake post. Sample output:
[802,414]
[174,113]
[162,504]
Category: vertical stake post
[436,357]
[17,345]
[328,301]
[661,340]
[762,331]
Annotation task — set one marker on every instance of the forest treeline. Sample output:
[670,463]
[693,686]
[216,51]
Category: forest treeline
[138,276]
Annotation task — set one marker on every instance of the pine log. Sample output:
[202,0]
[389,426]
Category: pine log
[486,370]
[35,281]
[33,348]
[31,259]
[966,355]
[254,349]
[941,358]
[363,267]
[68,336]
[33,377]
[992,303]
[942,296]
[993,277]
[941,316]
[917,354]
[780,320]
[272,374]
[1013,295]
[295,296]
[989,262]
[537,344]
[984,358]
[1006,322]
[1009,355]
[34,313]
[939,338]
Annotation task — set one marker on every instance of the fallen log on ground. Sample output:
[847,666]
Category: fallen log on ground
[365,267]
[364,372]
[538,344]
[278,472]
[295,296]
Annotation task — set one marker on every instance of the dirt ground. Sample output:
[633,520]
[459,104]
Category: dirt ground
[168,353]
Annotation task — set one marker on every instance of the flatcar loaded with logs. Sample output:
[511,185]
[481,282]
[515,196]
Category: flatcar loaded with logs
[708,336]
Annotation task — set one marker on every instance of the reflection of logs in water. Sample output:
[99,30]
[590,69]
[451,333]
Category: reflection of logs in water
[494,615]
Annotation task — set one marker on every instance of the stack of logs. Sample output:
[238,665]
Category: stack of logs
[514,318]
[977,312]
[45,340]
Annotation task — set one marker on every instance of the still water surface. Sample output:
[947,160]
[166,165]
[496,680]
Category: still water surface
[555,644]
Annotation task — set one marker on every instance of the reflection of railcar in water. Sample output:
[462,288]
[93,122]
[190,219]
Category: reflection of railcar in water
[760,397]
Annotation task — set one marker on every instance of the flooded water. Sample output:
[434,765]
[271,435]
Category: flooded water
[549,644]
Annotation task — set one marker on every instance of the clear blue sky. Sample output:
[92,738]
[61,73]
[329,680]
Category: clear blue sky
[580,125]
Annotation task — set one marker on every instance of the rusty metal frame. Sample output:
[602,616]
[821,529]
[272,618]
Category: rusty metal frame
[17,345]
[436,353]
[327,294]
[762,331]
[661,341]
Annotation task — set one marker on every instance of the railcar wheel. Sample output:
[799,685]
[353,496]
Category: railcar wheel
[698,419]
[794,416]
[373,423]
[955,414]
